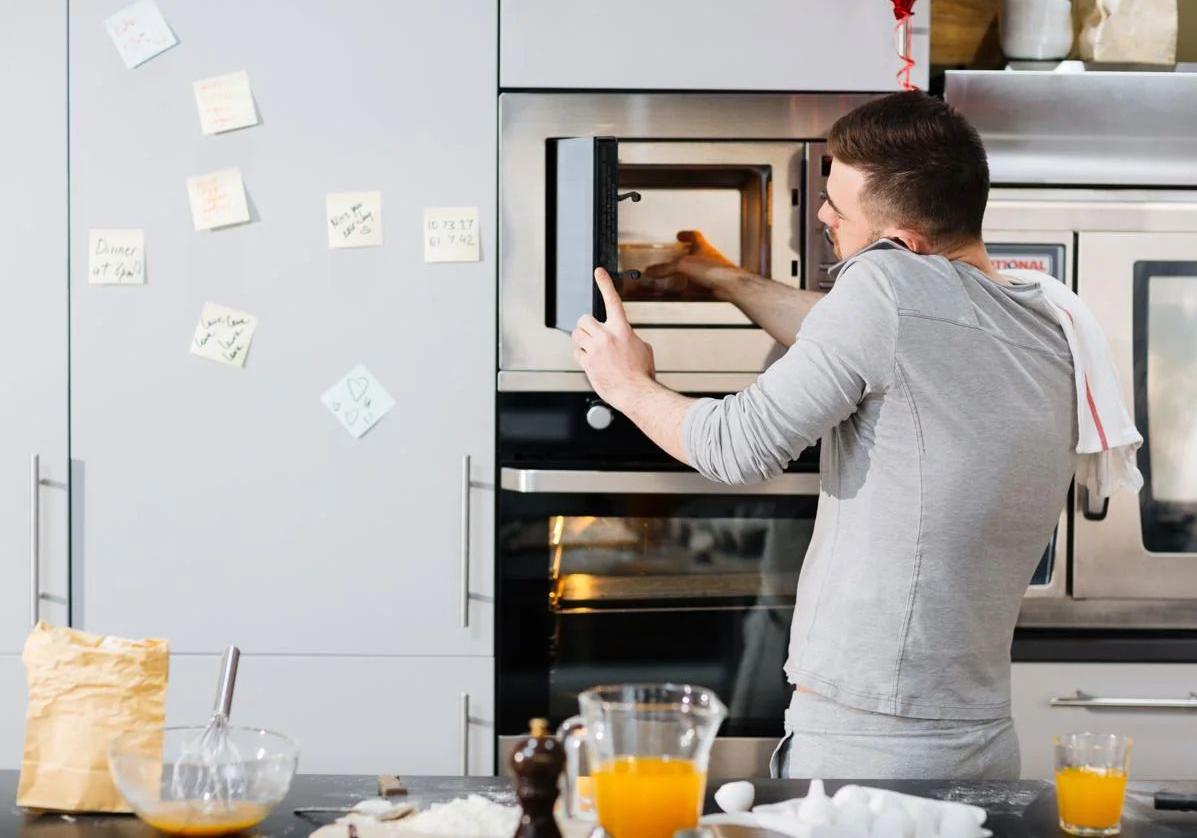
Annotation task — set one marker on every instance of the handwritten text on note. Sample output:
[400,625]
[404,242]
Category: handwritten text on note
[217,199]
[451,234]
[223,335]
[139,32]
[354,219]
[225,103]
[358,401]
[116,257]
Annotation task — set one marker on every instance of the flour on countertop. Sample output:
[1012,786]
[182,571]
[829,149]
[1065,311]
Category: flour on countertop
[469,816]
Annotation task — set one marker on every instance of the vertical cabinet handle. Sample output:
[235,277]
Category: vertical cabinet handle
[465,734]
[465,541]
[35,562]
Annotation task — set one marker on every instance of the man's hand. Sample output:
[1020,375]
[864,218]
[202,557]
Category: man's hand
[704,265]
[616,361]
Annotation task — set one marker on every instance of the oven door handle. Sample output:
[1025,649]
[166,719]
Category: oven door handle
[566,481]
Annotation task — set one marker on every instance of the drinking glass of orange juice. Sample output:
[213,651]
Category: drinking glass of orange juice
[1091,772]
[646,749]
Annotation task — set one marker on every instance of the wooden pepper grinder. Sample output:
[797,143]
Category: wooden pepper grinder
[537,763]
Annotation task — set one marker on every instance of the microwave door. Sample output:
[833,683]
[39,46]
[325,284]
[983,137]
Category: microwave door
[583,226]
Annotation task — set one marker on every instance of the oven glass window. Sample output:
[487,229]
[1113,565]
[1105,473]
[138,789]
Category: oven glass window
[599,589]
[1166,402]
[648,236]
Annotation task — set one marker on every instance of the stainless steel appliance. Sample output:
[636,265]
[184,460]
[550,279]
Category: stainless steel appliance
[617,565]
[1116,188]
[747,170]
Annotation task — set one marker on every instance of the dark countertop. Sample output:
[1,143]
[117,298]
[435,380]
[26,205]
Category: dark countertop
[1026,809]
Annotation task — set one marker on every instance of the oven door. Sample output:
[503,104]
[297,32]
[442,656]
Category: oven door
[1143,289]
[627,576]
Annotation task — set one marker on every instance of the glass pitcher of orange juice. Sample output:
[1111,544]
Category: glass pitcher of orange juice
[640,754]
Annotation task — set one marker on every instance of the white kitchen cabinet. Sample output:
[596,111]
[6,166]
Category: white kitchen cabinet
[355,715]
[33,383]
[1163,738]
[12,711]
[674,45]
[219,504]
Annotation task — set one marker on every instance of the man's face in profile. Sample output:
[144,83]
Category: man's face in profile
[848,225]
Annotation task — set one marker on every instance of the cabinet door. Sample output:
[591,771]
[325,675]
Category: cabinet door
[355,715]
[674,45]
[218,503]
[33,340]
[1161,748]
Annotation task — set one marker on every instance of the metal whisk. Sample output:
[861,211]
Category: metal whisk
[210,769]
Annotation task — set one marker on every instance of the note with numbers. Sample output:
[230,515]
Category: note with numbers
[217,199]
[354,219]
[358,401]
[451,234]
[116,257]
[223,335]
[139,32]
[225,103]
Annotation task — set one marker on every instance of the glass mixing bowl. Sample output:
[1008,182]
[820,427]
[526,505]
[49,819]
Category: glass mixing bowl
[163,789]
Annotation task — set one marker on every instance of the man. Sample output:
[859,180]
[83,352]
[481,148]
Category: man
[944,396]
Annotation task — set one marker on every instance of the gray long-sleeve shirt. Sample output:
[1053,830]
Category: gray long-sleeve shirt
[946,406]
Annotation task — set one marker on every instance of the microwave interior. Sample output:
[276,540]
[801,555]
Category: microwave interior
[623,204]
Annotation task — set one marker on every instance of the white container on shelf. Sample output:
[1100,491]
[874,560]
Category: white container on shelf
[1036,29]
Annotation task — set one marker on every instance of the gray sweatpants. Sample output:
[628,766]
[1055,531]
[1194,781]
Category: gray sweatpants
[831,741]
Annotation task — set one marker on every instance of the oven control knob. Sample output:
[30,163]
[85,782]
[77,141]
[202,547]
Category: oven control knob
[599,417]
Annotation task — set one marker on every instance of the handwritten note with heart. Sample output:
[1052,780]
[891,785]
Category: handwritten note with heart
[354,219]
[358,401]
[223,335]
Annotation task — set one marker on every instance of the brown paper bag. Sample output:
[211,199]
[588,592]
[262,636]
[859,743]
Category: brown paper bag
[84,690]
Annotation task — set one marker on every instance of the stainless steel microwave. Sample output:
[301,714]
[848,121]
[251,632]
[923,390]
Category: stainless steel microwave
[610,179]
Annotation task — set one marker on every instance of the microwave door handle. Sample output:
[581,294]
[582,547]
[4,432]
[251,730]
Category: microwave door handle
[567,481]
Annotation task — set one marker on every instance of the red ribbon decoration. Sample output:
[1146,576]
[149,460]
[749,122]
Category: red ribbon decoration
[903,11]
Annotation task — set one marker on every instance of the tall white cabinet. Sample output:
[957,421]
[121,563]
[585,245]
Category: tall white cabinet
[214,505]
[33,344]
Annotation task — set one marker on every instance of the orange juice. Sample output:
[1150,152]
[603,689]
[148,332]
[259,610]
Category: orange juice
[648,797]
[1090,798]
[198,818]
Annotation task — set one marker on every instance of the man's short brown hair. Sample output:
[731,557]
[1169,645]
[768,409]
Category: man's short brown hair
[924,165]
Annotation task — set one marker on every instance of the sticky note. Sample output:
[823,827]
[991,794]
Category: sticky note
[451,234]
[139,32]
[223,335]
[217,199]
[358,401]
[116,257]
[225,103]
[354,219]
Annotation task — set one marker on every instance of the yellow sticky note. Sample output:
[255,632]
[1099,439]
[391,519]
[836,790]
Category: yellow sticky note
[217,199]
[451,234]
[116,257]
[225,103]
[223,335]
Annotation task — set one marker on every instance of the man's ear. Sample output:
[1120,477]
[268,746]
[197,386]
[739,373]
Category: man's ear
[913,240]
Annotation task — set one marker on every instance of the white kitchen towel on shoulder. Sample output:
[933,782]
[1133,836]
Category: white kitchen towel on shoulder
[1107,438]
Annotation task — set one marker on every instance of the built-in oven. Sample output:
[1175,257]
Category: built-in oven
[617,565]
[1143,289]
[611,179]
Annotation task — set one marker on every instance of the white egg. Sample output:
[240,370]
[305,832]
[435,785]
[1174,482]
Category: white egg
[855,794]
[735,797]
